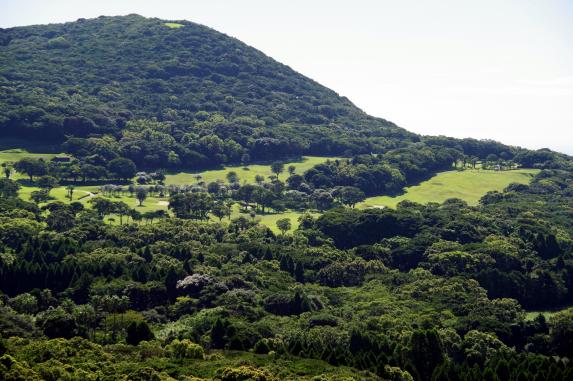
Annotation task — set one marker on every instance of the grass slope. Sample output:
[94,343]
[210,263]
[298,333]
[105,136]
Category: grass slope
[245,174]
[270,219]
[13,155]
[468,185]
[81,193]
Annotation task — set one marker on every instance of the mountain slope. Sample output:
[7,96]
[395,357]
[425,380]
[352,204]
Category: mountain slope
[92,76]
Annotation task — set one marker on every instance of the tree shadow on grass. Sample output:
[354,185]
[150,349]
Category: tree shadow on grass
[32,146]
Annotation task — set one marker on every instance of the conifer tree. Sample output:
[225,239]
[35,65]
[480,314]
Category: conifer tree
[299,272]
[218,332]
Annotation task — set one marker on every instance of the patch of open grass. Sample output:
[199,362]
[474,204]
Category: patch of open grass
[173,25]
[246,174]
[531,315]
[16,144]
[269,219]
[13,155]
[150,203]
[81,193]
[468,185]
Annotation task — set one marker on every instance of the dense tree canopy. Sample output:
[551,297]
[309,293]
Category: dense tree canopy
[100,290]
[416,292]
[171,96]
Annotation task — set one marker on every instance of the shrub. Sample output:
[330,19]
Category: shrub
[138,332]
[58,43]
[143,374]
[244,373]
[261,347]
[12,370]
[185,349]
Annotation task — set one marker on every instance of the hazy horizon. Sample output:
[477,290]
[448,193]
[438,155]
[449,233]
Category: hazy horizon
[457,68]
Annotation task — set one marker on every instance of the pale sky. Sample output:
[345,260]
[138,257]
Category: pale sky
[500,69]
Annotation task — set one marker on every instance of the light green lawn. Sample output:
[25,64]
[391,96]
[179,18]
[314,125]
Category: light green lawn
[531,315]
[269,220]
[13,155]
[468,185]
[245,174]
[173,25]
[153,203]
[149,204]
[16,154]
[60,193]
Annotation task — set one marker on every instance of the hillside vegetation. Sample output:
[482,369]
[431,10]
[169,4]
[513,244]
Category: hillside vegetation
[148,233]
[92,77]
[414,292]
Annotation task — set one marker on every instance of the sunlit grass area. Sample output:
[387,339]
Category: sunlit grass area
[531,315]
[81,193]
[173,25]
[468,185]
[269,219]
[13,155]
[246,174]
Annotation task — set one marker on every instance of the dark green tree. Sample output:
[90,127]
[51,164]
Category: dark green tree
[218,334]
[122,168]
[425,353]
[8,188]
[31,167]
[138,332]
[277,168]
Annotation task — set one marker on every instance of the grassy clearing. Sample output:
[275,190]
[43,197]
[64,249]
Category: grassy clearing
[150,203]
[15,144]
[245,174]
[81,193]
[173,25]
[13,155]
[531,315]
[269,220]
[468,185]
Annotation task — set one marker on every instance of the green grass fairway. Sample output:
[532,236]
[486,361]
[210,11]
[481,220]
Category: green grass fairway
[15,144]
[173,25]
[150,203]
[245,174]
[13,155]
[81,193]
[531,315]
[468,185]
[269,220]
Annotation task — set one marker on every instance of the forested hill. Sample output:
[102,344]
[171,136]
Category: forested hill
[91,77]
